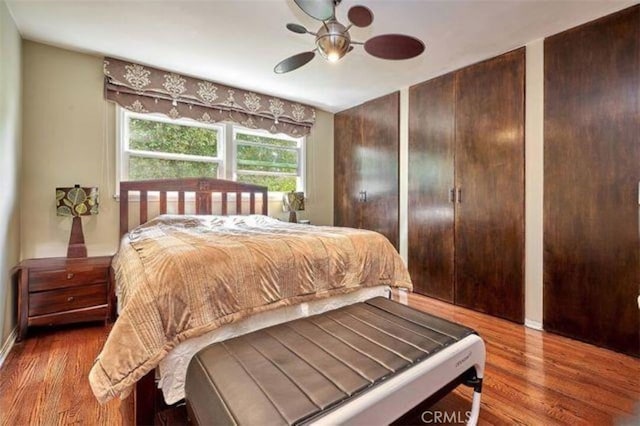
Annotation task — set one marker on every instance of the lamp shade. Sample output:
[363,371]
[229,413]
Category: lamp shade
[293,201]
[77,201]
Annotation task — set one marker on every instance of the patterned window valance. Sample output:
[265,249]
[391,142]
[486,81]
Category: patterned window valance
[141,88]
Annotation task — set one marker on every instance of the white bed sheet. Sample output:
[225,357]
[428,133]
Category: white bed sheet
[173,368]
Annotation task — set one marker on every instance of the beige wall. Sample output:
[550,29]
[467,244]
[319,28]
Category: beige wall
[69,137]
[10,154]
[404,175]
[320,171]
[534,177]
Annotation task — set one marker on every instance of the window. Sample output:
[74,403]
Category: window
[155,147]
[271,161]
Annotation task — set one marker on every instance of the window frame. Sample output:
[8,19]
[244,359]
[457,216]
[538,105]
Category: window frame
[227,149]
[299,149]
[125,153]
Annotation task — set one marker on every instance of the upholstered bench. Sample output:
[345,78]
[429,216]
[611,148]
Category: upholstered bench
[366,363]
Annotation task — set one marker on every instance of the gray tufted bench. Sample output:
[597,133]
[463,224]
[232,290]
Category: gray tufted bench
[366,363]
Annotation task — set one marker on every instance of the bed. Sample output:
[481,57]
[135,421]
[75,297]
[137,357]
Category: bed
[166,314]
[142,204]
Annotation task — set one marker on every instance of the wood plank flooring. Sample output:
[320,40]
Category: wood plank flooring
[531,377]
[539,378]
[44,380]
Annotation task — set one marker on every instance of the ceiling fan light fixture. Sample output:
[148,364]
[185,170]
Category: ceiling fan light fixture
[333,41]
[333,52]
[333,57]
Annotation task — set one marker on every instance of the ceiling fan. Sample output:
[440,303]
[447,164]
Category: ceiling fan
[333,40]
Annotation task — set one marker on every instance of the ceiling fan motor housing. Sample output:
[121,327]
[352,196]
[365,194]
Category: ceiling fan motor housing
[333,40]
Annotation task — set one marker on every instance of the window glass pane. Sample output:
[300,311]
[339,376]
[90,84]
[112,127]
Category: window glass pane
[274,183]
[267,159]
[265,140]
[155,136]
[154,168]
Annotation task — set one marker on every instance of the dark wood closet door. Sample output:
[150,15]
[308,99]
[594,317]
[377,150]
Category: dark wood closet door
[377,161]
[431,177]
[347,137]
[591,175]
[489,167]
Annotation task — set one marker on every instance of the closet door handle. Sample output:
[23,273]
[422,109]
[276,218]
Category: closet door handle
[459,195]
[452,195]
[362,196]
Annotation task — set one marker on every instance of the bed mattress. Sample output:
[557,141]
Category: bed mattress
[301,371]
[173,368]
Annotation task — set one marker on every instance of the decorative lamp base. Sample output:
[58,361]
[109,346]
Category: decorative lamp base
[76,240]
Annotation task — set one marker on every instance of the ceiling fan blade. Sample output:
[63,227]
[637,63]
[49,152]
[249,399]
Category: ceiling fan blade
[318,9]
[394,46]
[294,62]
[297,28]
[360,16]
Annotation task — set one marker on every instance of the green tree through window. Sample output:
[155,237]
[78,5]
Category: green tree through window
[257,153]
[155,168]
[158,149]
[155,136]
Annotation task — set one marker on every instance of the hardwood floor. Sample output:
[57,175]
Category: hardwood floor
[537,378]
[531,377]
[44,380]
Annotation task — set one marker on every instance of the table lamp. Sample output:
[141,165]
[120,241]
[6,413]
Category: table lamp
[293,202]
[75,202]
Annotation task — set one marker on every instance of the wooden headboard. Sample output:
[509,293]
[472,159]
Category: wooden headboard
[203,188]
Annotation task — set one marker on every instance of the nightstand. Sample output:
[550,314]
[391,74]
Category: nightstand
[62,290]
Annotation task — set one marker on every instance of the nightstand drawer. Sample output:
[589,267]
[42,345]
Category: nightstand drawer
[46,302]
[50,279]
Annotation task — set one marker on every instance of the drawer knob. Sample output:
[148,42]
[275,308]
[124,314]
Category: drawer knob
[70,275]
[70,299]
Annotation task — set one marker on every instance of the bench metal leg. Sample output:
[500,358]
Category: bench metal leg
[475,382]
[475,409]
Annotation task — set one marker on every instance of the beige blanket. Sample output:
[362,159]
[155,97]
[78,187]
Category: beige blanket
[182,276]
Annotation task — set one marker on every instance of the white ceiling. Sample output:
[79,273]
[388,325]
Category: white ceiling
[238,42]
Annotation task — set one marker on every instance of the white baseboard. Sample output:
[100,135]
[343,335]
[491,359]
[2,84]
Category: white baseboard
[8,345]
[536,325]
